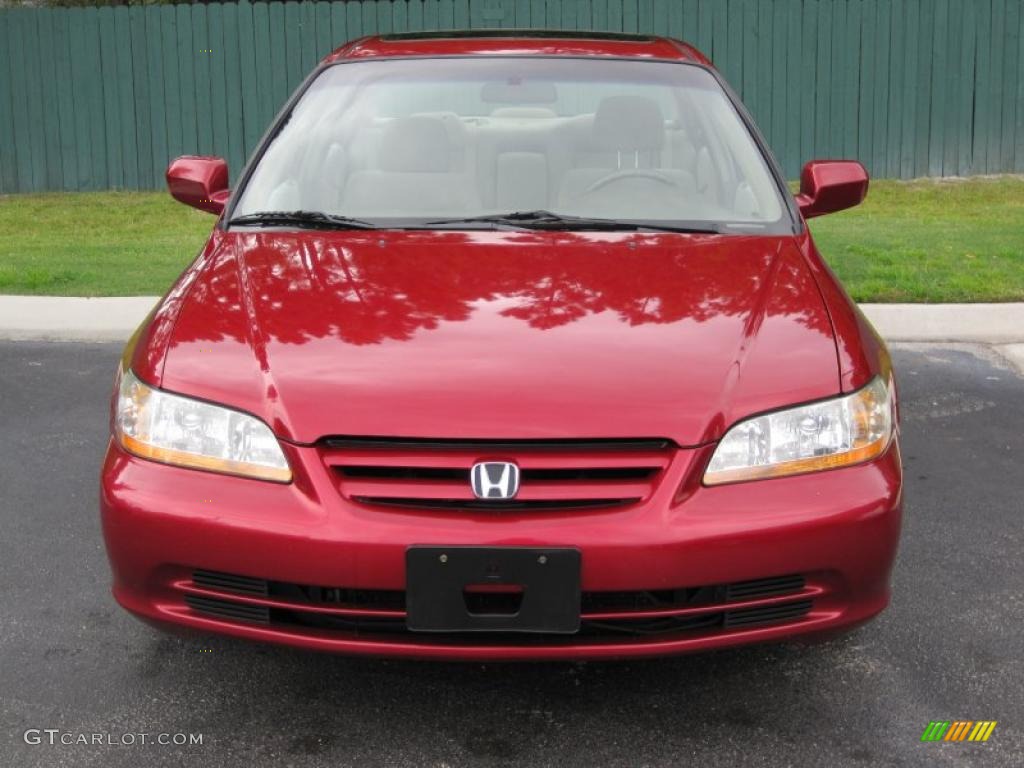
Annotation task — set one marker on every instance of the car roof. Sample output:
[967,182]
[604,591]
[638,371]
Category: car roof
[522,42]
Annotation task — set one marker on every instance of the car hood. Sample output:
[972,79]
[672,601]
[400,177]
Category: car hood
[501,334]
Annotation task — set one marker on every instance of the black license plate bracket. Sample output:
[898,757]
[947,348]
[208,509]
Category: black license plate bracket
[439,579]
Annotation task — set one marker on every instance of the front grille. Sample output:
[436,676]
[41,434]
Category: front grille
[604,615]
[526,475]
[434,474]
[494,506]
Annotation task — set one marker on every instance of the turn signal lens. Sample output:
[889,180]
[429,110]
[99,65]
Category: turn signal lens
[177,430]
[825,435]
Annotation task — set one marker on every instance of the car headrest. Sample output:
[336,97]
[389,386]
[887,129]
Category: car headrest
[523,112]
[416,144]
[629,123]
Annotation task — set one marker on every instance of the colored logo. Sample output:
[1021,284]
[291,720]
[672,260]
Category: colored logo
[958,730]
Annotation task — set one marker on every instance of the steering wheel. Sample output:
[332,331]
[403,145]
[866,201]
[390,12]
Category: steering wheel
[632,173]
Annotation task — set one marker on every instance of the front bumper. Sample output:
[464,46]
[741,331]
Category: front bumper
[836,532]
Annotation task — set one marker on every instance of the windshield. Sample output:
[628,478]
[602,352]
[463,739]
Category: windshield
[408,142]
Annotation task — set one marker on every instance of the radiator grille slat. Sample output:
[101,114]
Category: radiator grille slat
[490,446]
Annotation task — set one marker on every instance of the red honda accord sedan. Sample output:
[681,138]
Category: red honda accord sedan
[507,346]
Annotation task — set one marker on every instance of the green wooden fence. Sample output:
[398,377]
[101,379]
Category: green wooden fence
[98,98]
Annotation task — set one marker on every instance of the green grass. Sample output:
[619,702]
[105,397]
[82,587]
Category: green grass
[921,241]
[930,241]
[96,243]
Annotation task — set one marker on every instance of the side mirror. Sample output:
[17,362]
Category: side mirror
[199,181]
[827,186]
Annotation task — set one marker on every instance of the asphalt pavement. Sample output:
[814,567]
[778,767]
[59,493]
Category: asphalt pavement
[951,646]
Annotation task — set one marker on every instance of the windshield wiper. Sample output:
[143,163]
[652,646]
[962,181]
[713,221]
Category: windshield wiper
[305,219]
[546,220]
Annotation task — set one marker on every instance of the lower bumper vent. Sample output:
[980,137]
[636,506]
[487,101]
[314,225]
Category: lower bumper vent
[603,614]
[228,582]
[749,590]
[768,614]
[228,609]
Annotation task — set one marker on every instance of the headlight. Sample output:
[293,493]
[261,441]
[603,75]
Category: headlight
[190,433]
[825,435]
